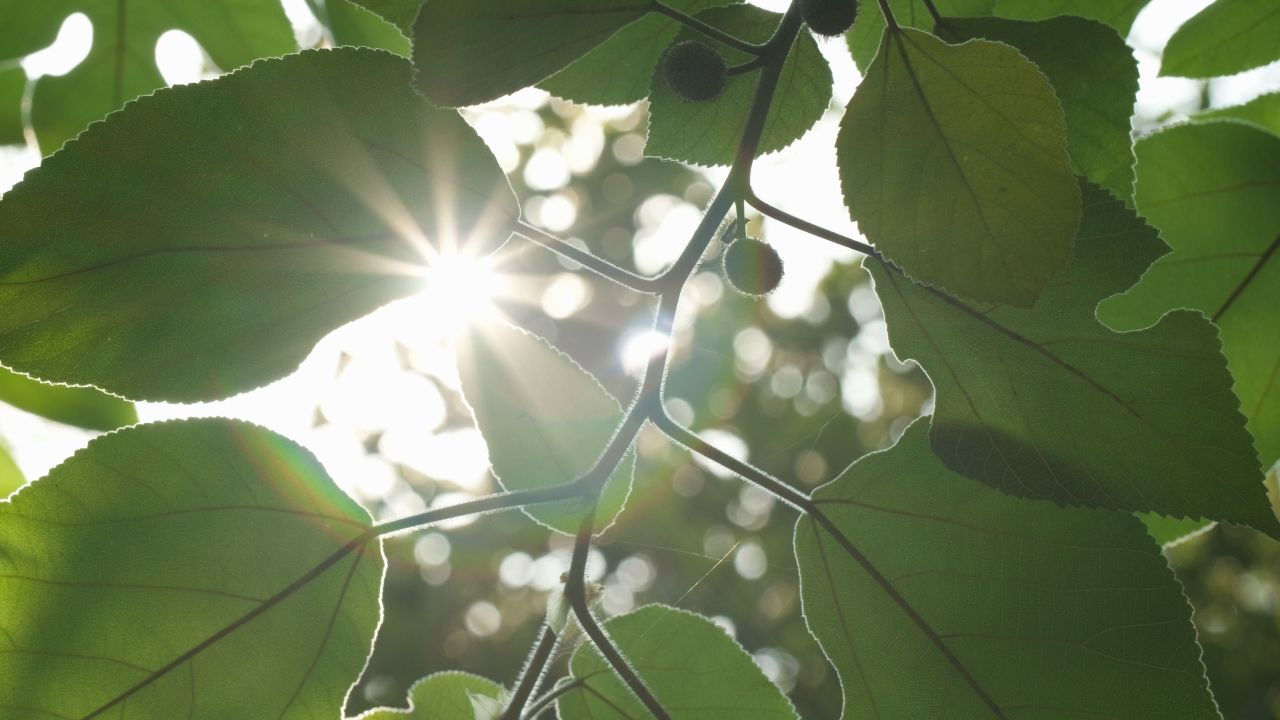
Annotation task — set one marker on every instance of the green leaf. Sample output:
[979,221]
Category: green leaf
[934,596]
[953,160]
[198,243]
[1228,37]
[1213,191]
[1050,403]
[618,71]
[84,407]
[351,24]
[11,477]
[546,419]
[707,133]
[441,696]
[13,83]
[1262,111]
[1167,531]
[1095,76]
[397,12]
[468,52]
[864,37]
[121,63]
[203,569]
[694,669]
[1119,14]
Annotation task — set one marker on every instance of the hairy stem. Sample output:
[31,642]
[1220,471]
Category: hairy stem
[531,676]
[543,703]
[811,228]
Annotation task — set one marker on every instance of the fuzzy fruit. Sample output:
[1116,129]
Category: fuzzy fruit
[829,17]
[694,71]
[752,267]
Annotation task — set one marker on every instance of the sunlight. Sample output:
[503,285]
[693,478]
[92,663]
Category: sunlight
[461,289]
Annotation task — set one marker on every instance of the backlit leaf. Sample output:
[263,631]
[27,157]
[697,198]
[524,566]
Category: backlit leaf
[1213,191]
[1119,14]
[441,696]
[351,24]
[953,160]
[707,133]
[468,52]
[1262,111]
[204,569]
[693,668]
[545,419]
[1049,403]
[868,29]
[85,407]
[11,477]
[208,235]
[935,596]
[1228,37]
[1095,76]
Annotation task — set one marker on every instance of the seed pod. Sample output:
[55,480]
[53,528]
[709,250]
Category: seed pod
[752,267]
[694,71]
[829,17]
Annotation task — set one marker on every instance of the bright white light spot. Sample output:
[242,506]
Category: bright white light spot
[727,442]
[483,619]
[546,170]
[750,561]
[557,213]
[461,289]
[432,549]
[179,58]
[71,47]
[565,295]
[445,500]
[639,348]
[516,570]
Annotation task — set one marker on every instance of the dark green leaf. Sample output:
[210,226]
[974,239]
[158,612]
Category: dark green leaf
[199,242]
[936,597]
[694,669]
[1213,190]
[1094,75]
[121,63]
[618,72]
[1119,14]
[442,696]
[1228,37]
[179,570]
[13,83]
[1262,111]
[864,37]
[11,477]
[468,52]
[1049,403]
[85,407]
[953,160]
[707,133]
[397,12]
[546,419]
[351,24]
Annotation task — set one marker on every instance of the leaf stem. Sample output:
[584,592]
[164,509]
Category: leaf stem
[811,228]
[710,31]
[531,675]
[592,262]
[543,703]
[575,591]
[889,19]
[487,504]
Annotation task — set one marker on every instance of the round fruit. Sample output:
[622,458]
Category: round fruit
[694,71]
[752,267]
[829,17]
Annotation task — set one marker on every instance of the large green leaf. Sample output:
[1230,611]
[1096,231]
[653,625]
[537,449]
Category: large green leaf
[204,569]
[441,696]
[953,160]
[1095,77]
[199,242]
[351,24]
[694,669]
[1228,37]
[1262,111]
[468,52]
[864,37]
[707,133]
[1050,403]
[937,597]
[121,63]
[1119,14]
[618,71]
[546,420]
[1213,190]
[85,407]
[13,83]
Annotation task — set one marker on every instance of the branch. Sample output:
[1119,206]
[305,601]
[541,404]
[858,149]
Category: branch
[750,473]
[531,676]
[489,503]
[543,703]
[811,228]
[588,260]
[710,31]
[576,592]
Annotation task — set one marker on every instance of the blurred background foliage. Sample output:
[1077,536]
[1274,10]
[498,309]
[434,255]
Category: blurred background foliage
[802,384]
